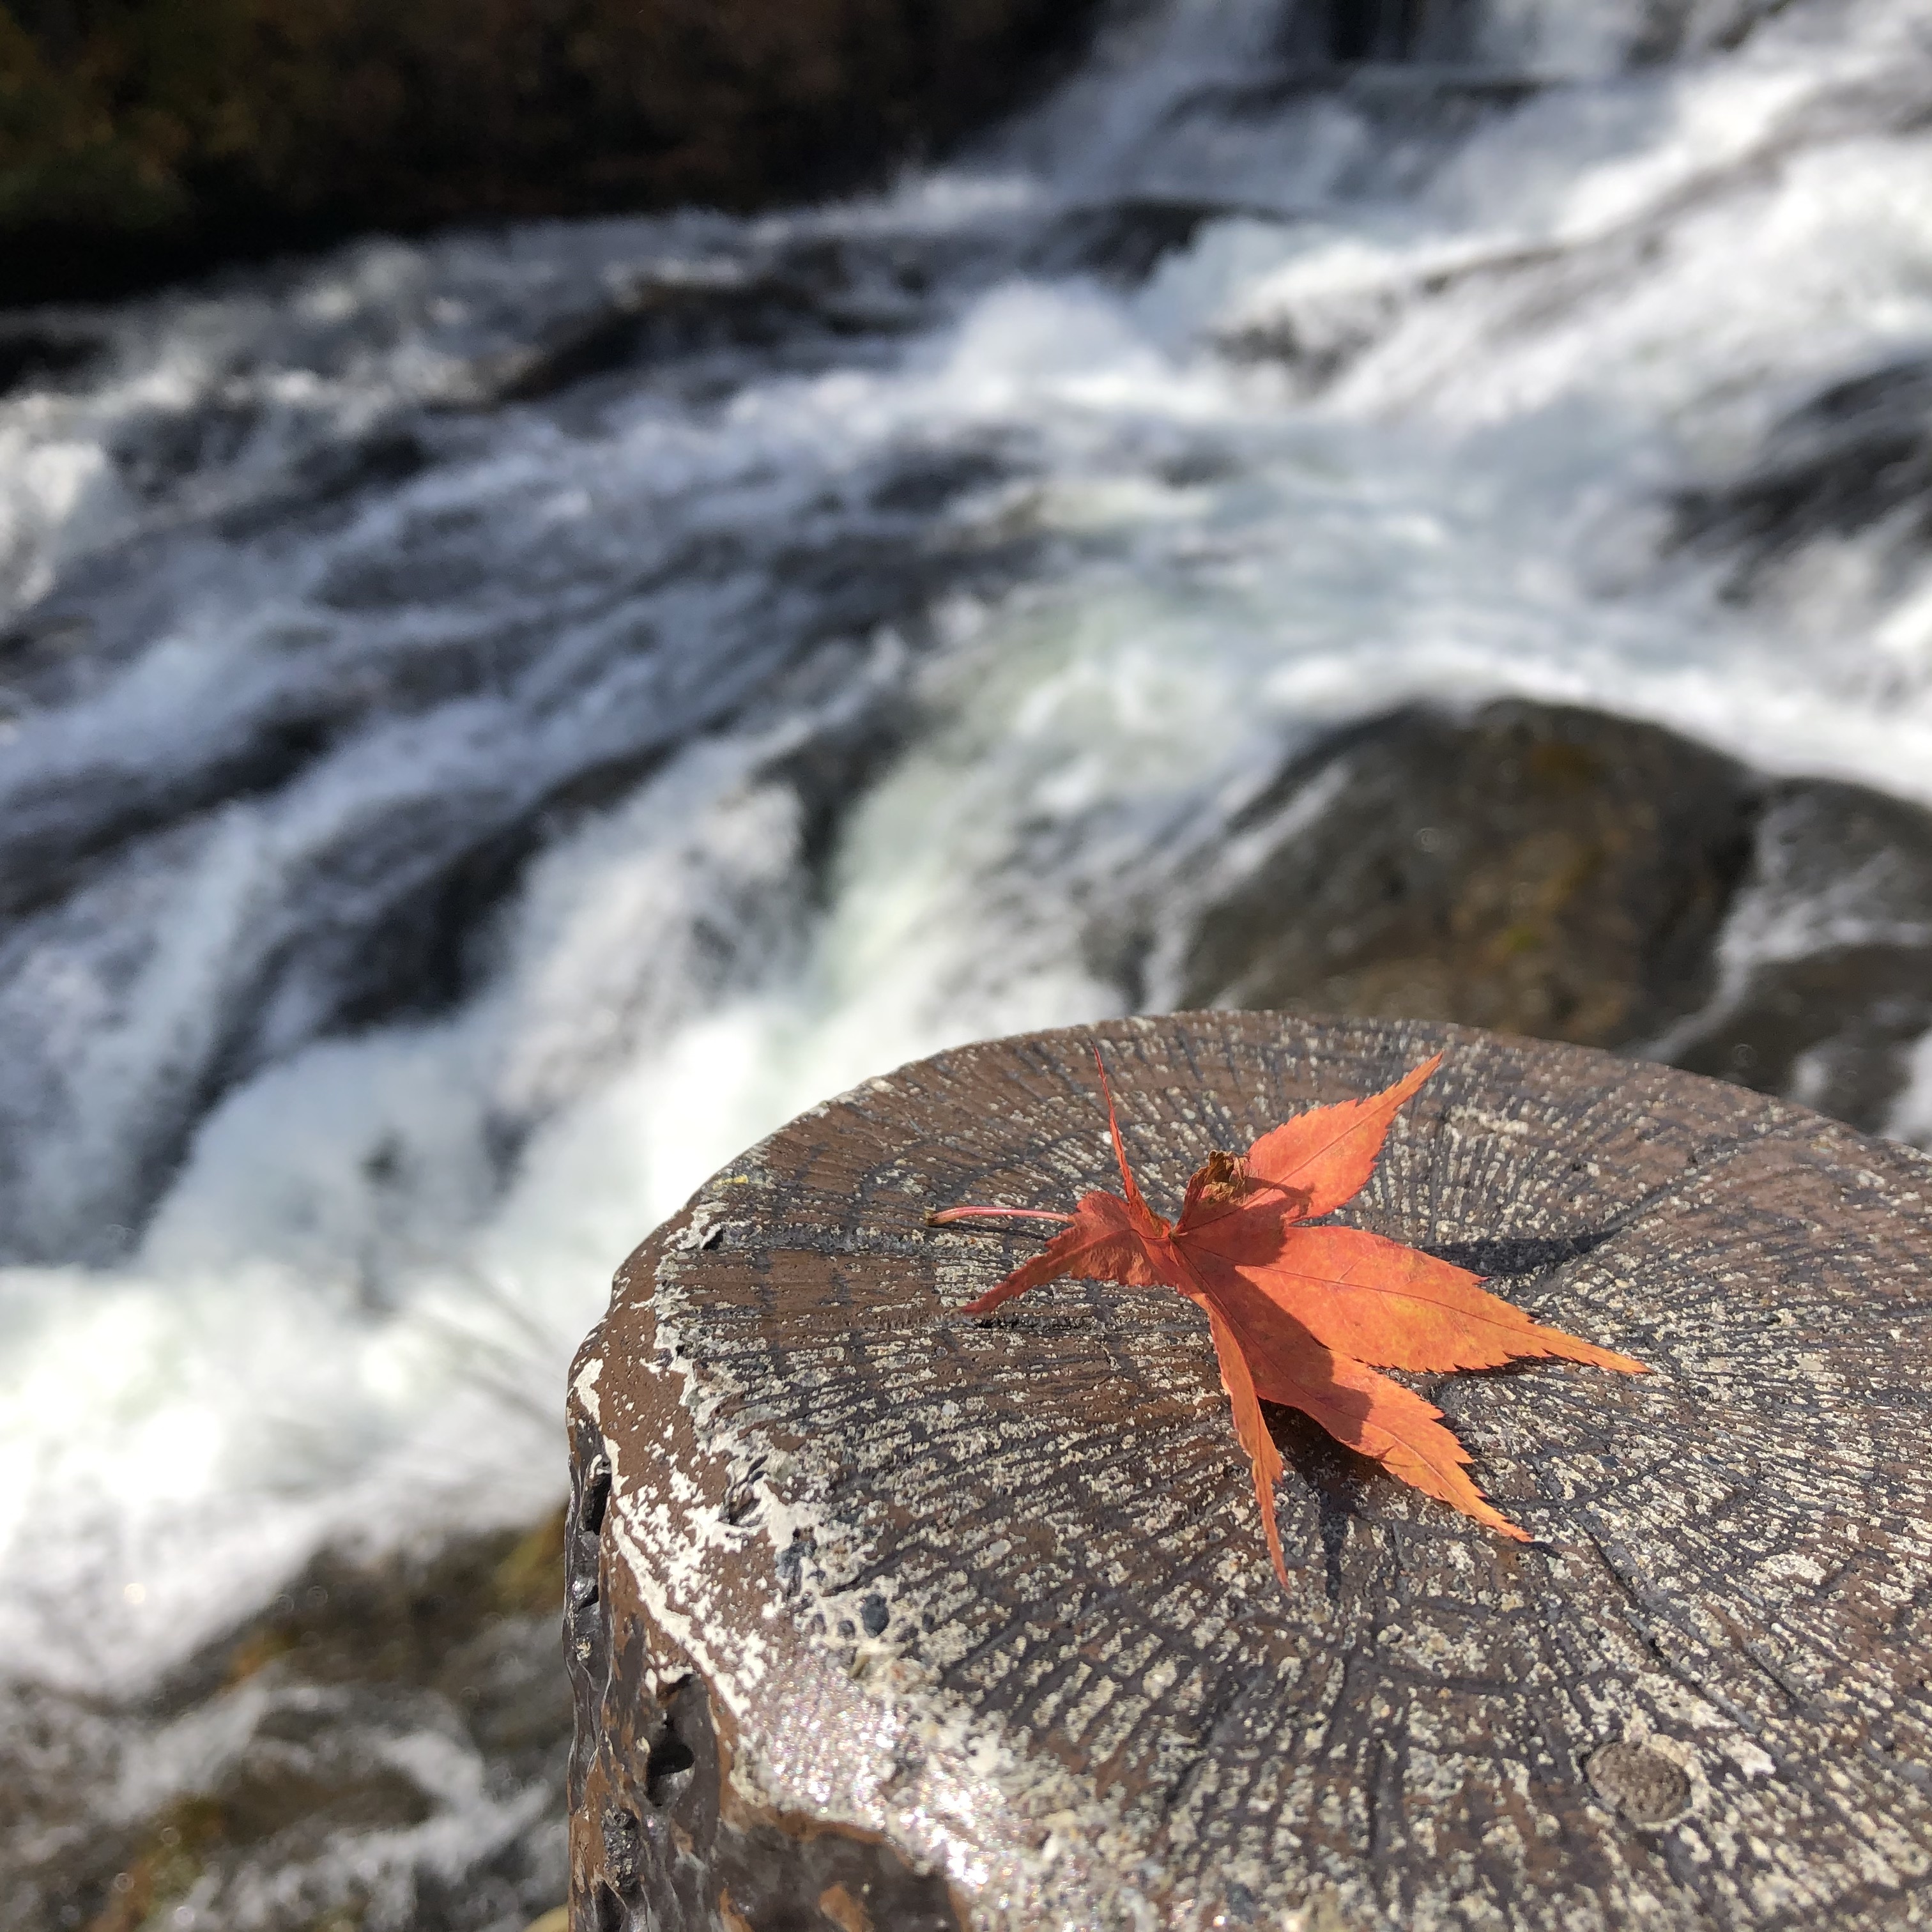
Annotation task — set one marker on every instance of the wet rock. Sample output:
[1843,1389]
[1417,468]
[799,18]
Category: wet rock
[1857,456]
[1125,240]
[823,291]
[1569,875]
[651,321]
[1547,871]
[384,1746]
[34,352]
[1321,334]
[1825,964]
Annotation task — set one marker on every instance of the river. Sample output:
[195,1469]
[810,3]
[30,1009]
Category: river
[489,726]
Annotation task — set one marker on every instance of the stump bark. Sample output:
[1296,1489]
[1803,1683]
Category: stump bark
[881,1617]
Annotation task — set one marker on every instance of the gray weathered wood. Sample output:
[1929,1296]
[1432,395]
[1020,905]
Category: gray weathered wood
[884,1617]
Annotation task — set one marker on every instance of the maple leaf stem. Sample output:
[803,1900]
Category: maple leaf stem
[1129,1185]
[939,1217]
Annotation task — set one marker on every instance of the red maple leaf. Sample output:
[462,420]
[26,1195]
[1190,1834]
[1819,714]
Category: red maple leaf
[1304,1316]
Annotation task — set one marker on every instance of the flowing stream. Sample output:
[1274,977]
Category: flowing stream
[489,728]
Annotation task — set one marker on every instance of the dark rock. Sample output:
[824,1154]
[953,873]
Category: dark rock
[653,321]
[1461,32]
[1698,1694]
[1573,876]
[33,353]
[60,1759]
[36,652]
[142,143]
[1553,872]
[1397,30]
[821,292]
[52,840]
[1126,240]
[1825,963]
[1857,455]
[384,1747]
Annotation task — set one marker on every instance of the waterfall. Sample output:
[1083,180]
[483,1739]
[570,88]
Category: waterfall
[489,726]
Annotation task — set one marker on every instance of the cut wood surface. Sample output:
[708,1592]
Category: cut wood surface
[884,1617]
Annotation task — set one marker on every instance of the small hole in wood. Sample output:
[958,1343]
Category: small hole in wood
[668,1769]
[596,1495]
[623,1849]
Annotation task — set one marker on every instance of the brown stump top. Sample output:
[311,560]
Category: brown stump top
[883,1617]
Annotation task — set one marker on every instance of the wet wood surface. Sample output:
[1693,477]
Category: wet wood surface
[885,1617]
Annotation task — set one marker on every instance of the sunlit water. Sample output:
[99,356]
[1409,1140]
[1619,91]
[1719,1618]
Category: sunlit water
[440,830]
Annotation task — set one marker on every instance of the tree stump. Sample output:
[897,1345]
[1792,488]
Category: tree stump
[881,1617]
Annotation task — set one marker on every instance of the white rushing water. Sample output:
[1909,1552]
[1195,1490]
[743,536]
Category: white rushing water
[419,806]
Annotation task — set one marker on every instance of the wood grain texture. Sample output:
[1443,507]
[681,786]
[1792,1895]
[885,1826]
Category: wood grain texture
[981,1610]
